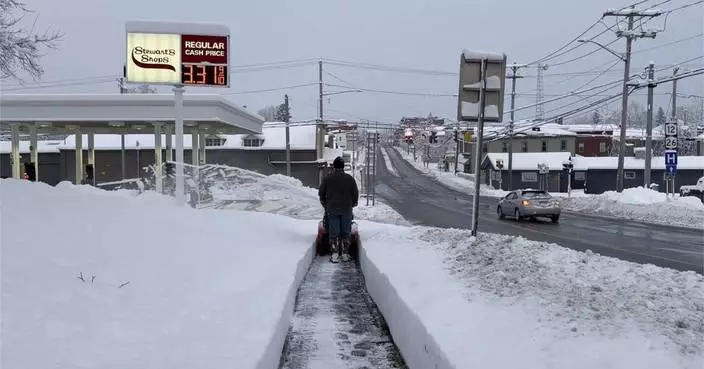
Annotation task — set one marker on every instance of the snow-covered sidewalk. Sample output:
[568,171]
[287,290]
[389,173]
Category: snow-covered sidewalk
[387,161]
[461,181]
[111,280]
[453,301]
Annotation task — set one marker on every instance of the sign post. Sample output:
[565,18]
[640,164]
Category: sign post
[177,54]
[500,166]
[480,99]
[671,146]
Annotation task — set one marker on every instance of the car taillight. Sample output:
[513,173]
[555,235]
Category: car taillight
[525,202]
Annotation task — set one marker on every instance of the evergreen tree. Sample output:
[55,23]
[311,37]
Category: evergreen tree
[660,118]
[281,114]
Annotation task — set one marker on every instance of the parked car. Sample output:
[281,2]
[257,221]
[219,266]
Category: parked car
[697,190]
[529,203]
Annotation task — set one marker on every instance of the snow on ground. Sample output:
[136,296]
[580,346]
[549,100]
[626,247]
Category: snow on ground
[460,182]
[454,301]
[641,204]
[387,161]
[241,189]
[113,280]
[638,204]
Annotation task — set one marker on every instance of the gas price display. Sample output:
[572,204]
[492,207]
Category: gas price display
[204,60]
[204,74]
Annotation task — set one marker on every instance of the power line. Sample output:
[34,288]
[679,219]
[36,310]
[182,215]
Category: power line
[271,89]
[397,92]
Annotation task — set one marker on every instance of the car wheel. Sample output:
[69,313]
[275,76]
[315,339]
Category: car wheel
[500,212]
[555,218]
[517,215]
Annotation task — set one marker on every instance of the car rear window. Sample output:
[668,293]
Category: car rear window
[536,195]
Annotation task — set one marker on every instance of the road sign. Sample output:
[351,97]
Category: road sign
[468,136]
[671,136]
[671,161]
[468,108]
[177,54]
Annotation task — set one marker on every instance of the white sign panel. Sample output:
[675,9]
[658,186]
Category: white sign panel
[671,129]
[153,58]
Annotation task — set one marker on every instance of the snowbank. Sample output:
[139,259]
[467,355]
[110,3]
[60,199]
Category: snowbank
[94,279]
[641,204]
[240,189]
[387,161]
[460,182]
[462,302]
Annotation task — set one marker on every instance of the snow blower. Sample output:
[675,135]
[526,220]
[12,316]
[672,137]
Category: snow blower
[322,241]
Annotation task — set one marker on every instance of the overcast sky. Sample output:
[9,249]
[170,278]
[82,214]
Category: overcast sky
[419,34]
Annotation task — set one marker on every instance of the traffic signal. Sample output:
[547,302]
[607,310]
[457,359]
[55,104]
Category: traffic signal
[568,165]
[499,164]
[457,135]
[378,137]
[468,101]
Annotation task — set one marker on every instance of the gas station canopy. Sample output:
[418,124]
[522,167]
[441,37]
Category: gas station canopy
[123,113]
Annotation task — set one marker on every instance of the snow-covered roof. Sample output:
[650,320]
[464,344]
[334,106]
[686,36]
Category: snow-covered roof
[273,133]
[42,147]
[636,133]
[632,163]
[554,160]
[530,160]
[525,128]
[580,128]
[129,113]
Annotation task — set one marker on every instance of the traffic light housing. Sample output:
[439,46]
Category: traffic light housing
[470,84]
[568,165]
[457,135]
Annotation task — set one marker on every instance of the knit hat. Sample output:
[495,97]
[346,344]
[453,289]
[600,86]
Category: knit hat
[338,163]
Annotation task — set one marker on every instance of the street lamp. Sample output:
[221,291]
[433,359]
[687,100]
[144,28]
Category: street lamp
[618,55]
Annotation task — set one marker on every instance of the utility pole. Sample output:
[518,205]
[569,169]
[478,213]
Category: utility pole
[649,126]
[630,35]
[673,114]
[288,136]
[514,75]
[123,161]
[319,137]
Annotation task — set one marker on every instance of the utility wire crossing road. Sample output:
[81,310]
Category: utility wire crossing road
[424,201]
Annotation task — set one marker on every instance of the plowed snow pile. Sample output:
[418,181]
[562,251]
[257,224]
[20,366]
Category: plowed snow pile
[237,188]
[642,204]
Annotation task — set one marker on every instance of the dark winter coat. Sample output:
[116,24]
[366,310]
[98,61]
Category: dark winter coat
[339,193]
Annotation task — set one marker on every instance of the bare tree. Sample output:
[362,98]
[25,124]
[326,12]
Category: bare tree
[268,113]
[20,48]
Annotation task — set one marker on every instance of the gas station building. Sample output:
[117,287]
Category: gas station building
[86,115]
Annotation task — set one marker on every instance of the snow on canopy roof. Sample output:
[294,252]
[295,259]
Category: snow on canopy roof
[180,28]
[530,160]
[273,133]
[42,146]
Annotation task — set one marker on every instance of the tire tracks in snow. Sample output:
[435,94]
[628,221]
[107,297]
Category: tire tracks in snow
[336,324]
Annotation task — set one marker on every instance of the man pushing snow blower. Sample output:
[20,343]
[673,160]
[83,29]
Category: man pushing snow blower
[339,194]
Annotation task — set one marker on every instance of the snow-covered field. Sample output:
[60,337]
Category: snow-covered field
[110,280]
[641,204]
[453,301]
[638,204]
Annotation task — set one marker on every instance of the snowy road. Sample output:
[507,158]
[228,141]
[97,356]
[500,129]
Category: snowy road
[336,324]
[422,200]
